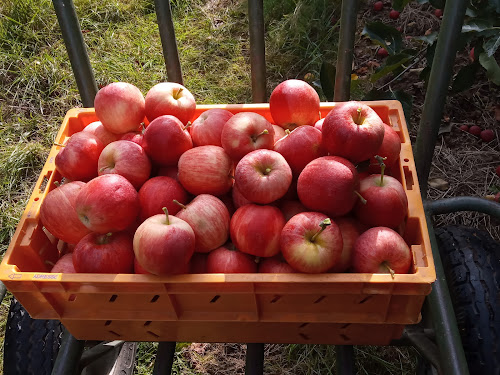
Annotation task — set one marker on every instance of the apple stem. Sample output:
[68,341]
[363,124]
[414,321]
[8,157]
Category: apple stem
[102,169]
[187,125]
[287,131]
[166,213]
[380,160]
[391,271]
[267,171]
[57,183]
[180,204]
[363,200]
[59,144]
[104,239]
[323,225]
[176,94]
[265,131]
[358,120]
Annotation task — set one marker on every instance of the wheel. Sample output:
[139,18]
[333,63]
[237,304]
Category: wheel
[30,346]
[471,260]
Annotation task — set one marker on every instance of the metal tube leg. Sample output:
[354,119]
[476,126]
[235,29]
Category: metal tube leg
[77,52]
[342,90]
[69,355]
[167,36]
[255,359]
[437,88]
[439,304]
[257,50]
[164,358]
[345,360]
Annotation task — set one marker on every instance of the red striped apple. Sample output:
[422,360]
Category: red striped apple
[275,264]
[310,242]
[207,128]
[159,192]
[263,176]
[164,244]
[104,135]
[228,259]
[170,98]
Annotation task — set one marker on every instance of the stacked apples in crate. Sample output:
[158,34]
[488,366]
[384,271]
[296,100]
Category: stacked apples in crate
[147,191]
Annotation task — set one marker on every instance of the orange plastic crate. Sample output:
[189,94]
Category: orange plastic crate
[344,308]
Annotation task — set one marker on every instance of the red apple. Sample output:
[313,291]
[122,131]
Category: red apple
[159,192]
[227,199]
[310,242]
[350,230]
[58,214]
[77,161]
[381,250]
[120,107]
[164,244]
[209,218]
[198,263]
[353,131]
[227,259]
[171,171]
[328,185]
[64,265]
[104,253]
[290,208]
[377,6]
[104,135]
[263,176]
[108,203]
[246,132]
[319,124]
[207,128]
[279,133]
[138,268]
[475,130]
[382,52]
[389,149]
[165,140]
[136,137]
[487,135]
[127,159]
[256,229]
[472,56]
[206,170]
[394,14]
[386,202]
[275,264]
[464,128]
[438,13]
[238,199]
[293,103]
[170,98]
[300,147]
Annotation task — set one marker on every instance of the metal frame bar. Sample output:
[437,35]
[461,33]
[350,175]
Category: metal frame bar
[348,19]
[168,41]
[437,88]
[164,358]
[77,51]
[257,50]
[254,362]
[68,358]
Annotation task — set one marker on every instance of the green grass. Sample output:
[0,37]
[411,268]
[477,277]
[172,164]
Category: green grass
[37,88]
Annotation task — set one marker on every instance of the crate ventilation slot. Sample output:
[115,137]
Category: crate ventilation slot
[275,299]
[214,299]
[155,298]
[113,298]
[320,299]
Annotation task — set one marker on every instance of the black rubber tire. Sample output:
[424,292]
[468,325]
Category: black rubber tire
[30,345]
[471,259]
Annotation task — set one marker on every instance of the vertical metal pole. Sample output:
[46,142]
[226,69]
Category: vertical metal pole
[77,52]
[348,20]
[345,360]
[254,364]
[437,88]
[257,50]
[168,41]
[69,355]
[164,358]
[3,291]
[439,304]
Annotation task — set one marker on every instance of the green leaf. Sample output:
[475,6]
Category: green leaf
[392,63]
[404,98]
[385,36]
[465,78]
[399,4]
[491,45]
[327,78]
[492,69]
[430,39]
[477,25]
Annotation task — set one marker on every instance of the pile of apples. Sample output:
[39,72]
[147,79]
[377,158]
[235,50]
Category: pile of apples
[147,191]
